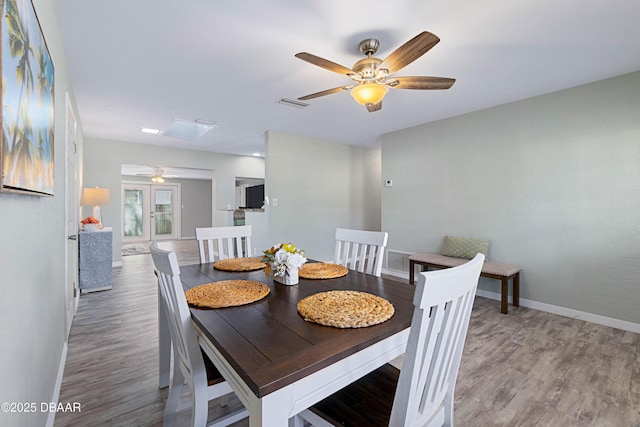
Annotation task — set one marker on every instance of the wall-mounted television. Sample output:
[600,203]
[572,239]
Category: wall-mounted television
[254,196]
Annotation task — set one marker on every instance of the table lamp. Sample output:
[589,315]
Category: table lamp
[96,197]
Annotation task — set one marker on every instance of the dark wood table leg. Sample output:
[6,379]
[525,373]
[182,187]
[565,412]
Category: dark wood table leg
[516,290]
[412,268]
[504,309]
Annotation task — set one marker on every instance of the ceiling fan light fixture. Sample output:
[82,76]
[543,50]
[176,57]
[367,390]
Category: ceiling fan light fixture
[157,179]
[368,93]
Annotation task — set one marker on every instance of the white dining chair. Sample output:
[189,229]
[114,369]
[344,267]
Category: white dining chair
[215,243]
[421,394]
[190,365]
[361,250]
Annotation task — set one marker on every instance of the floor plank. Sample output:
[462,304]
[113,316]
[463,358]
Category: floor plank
[527,368]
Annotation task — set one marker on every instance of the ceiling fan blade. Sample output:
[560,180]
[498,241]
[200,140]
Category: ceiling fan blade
[374,107]
[410,51]
[425,83]
[324,63]
[324,92]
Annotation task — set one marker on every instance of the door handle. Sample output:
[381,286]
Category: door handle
[72,237]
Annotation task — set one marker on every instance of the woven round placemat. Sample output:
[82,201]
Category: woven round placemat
[226,293]
[322,270]
[345,309]
[239,264]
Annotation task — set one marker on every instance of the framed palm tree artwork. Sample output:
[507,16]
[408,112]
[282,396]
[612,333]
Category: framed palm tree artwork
[26,152]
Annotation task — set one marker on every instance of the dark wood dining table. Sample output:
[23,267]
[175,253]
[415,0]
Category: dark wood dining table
[277,363]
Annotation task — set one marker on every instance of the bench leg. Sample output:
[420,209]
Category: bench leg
[504,302]
[516,290]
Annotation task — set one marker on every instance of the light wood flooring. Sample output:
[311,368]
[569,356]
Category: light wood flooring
[527,368]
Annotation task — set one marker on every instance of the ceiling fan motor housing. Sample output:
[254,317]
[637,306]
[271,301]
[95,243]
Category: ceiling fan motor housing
[368,69]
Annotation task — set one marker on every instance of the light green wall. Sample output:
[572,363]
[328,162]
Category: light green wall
[32,267]
[102,166]
[553,181]
[319,185]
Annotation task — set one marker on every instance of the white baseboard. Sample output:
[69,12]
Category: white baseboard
[568,312]
[549,308]
[56,389]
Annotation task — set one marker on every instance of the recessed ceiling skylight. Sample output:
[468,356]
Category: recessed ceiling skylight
[186,129]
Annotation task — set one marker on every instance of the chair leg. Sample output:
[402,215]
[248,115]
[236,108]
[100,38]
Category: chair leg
[175,390]
[516,290]
[200,405]
[448,409]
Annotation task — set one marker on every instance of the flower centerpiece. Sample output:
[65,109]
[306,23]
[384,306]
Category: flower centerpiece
[285,260]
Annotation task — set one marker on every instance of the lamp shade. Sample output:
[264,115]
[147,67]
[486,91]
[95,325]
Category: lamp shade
[368,93]
[95,196]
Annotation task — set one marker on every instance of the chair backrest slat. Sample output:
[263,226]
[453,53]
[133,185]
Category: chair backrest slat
[443,302]
[361,250]
[215,243]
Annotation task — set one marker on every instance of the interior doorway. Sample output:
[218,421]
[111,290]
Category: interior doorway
[150,212]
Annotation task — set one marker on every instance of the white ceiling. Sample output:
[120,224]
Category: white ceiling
[142,63]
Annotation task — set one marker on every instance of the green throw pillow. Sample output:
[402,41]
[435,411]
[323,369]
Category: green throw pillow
[460,247]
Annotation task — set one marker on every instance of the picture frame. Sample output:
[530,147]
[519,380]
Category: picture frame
[27,94]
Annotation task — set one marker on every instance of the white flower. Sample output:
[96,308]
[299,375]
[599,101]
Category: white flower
[281,256]
[295,261]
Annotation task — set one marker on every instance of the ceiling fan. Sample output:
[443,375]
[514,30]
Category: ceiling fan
[158,177]
[371,76]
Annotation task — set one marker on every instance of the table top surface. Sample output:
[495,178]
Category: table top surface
[270,345]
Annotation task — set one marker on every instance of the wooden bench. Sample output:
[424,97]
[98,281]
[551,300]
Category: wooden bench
[491,269]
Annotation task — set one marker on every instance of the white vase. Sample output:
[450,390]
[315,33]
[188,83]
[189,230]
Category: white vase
[289,278]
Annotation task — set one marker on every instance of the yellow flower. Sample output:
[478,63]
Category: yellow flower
[267,270]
